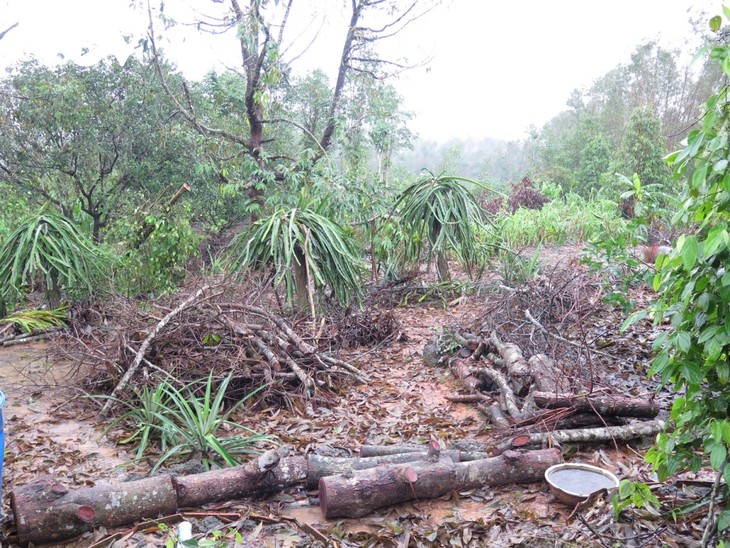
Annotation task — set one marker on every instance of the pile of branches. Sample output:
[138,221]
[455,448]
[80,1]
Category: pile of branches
[209,329]
[369,327]
[530,364]
[552,314]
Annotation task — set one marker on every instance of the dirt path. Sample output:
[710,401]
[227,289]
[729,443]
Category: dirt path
[47,430]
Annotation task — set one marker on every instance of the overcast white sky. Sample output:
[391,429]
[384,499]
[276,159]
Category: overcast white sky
[496,67]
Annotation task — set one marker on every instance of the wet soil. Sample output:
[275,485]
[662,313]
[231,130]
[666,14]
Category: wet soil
[52,429]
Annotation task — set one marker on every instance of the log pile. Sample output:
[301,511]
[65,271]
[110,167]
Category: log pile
[552,396]
[47,511]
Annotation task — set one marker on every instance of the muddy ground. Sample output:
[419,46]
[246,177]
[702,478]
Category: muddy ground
[52,428]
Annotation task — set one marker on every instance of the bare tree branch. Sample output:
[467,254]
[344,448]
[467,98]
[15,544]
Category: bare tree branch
[7,30]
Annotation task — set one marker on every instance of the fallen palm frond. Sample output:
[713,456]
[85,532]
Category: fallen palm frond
[38,320]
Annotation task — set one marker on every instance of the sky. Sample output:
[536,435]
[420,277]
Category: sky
[492,68]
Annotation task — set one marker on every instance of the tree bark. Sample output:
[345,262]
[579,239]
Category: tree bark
[357,494]
[625,432]
[46,511]
[459,445]
[265,474]
[319,467]
[603,405]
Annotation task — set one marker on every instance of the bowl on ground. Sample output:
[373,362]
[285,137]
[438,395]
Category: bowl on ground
[572,483]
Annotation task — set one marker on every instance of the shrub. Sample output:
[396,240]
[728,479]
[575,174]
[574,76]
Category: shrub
[524,194]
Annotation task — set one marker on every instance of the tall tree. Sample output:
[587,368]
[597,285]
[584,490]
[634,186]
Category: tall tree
[261,29]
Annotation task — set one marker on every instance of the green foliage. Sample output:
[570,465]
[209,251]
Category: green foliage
[301,244]
[38,320]
[632,494]
[643,150]
[188,426]
[144,414]
[517,270]
[694,296]
[158,263]
[46,246]
[85,137]
[612,254]
[444,212]
[570,219]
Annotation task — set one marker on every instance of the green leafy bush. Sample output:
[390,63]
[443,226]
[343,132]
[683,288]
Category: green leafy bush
[613,254]
[156,264]
[694,297]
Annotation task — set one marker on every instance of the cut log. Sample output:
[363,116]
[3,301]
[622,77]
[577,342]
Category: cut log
[514,361]
[359,493]
[466,372]
[497,416]
[508,395]
[544,373]
[460,445]
[603,405]
[46,511]
[625,432]
[266,474]
[320,467]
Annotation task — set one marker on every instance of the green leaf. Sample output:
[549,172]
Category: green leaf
[715,23]
[634,318]
[718,456]
[625,488]
[683,341]
[689,252]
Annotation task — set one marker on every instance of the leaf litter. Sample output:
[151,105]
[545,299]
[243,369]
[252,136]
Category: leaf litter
[51,429]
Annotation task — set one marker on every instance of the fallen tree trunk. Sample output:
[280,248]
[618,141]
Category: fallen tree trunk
[265,474]
[625,432]
[46,511]
[603,405]
[359,493]
[319,467]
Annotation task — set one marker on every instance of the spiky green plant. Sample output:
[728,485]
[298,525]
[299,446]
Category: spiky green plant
[444,210]
[49,246]
[185,425]
[301,244]
[191,425]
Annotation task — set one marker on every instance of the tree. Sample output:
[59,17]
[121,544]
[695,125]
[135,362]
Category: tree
[642,149]
[83,138]
[694,296]
[261,28]
[442,210]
